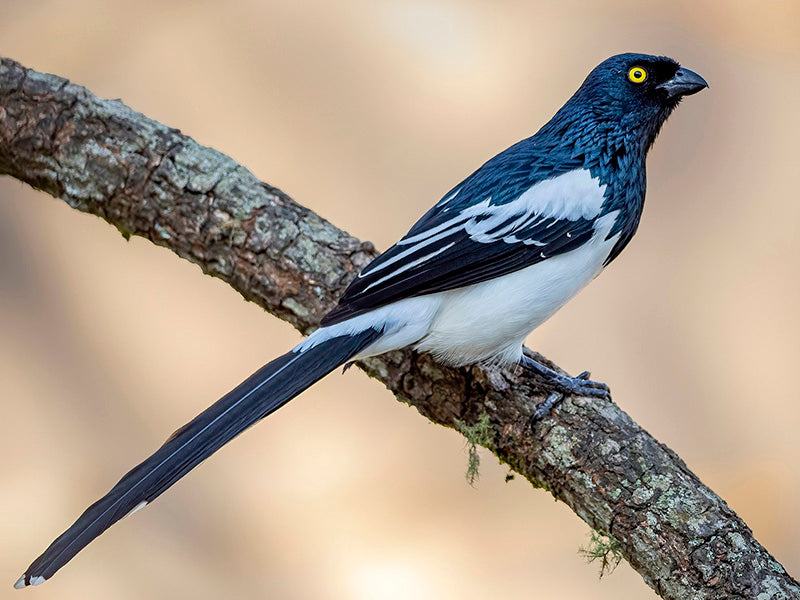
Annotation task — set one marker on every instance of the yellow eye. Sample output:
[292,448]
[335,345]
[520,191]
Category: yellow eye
[637,74]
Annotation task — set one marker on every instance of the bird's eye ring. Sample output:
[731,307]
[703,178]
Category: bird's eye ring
[637,74]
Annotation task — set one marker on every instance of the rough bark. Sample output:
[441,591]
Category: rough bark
[147,179]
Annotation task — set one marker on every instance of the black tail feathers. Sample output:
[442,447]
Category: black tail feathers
[262,393]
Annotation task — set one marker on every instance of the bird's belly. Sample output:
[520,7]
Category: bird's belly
[489,321]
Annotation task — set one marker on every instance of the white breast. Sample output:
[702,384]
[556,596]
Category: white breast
[489,321]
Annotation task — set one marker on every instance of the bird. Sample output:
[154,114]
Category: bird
[498,255]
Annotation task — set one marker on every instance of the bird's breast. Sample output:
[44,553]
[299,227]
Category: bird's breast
[489,321]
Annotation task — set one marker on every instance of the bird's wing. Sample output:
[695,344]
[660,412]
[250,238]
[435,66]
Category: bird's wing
[463,243]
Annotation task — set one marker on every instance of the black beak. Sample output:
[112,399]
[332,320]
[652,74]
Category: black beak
[683,83]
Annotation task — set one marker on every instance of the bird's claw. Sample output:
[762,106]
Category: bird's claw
[543,408]
[581,386]
[563,385]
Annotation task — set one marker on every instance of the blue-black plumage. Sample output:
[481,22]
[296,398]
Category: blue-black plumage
[606,129]
[497,256]
[264,392]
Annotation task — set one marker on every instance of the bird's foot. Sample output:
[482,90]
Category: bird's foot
[569,386]
[563,386]
[543,408]
[581,385]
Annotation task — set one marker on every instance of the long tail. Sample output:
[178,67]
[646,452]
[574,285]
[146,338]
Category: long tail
[262,393]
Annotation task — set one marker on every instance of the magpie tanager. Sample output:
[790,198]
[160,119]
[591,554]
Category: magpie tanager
[493,259]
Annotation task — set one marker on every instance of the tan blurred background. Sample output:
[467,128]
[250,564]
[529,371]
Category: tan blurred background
[368,112]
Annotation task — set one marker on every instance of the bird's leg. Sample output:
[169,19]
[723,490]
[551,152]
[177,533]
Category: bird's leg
[568,386]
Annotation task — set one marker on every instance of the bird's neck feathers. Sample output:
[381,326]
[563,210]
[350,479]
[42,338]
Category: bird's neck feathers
[613,144]
[608,136]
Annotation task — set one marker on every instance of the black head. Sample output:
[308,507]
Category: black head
[632,94]
[640,82]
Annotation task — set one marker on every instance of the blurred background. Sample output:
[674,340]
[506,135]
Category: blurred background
[367,112]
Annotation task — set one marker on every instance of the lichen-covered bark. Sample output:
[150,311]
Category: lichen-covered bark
[150,180]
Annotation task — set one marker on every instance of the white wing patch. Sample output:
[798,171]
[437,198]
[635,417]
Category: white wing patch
[570,196]
[447,199]
[434,235]
[410,265]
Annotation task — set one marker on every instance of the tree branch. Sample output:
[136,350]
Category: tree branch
[150,180]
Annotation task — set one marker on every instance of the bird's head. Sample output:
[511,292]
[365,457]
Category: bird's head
[632,94]
[638,83]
